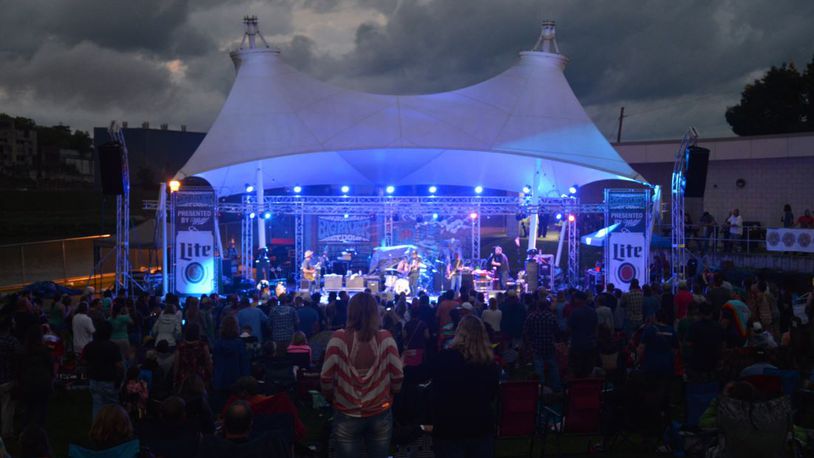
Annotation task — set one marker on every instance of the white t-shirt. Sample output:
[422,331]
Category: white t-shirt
[735,224]
[82,331]
[492,317]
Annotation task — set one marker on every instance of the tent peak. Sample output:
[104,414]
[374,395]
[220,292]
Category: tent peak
[251,33]
[547,42]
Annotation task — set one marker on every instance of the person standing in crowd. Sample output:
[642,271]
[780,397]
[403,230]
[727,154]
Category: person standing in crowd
[682,301]
[105,368]
[83,329]
[604,314]
[167,326]
[362,371]
[9,347]
[231,360]
[657,346]
[465,386]
[283,323]
[707,231]
[806,221]
[499,263]
[119,321]
[192,357]
[539,332]
[718,294]
[35,377]
[23,318]
[650,304]
[514,314]
[582,325]
[760,306]
[632,303]
[307,318]
[493,315]
[704,342]
[251,316]
[735,317]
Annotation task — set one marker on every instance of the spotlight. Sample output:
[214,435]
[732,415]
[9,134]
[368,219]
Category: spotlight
[478,189]
[390,189]
[267,215]
[526,189]
[345,215]
[433,189]
[297,189]
[473,215]
[571,218]
[559,216]
[175,185]
[435,216]
[249,188]
[252,215]
[345,189]
[563,196]
[573,189]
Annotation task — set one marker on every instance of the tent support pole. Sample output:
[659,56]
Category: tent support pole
[534,219]
[162,215]
[261,207]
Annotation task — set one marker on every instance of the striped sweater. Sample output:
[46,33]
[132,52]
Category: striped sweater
[356,393]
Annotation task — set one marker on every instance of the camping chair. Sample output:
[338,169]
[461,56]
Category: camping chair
[768,386]
[126,450]
[518,411]
[301,360]
[581,412]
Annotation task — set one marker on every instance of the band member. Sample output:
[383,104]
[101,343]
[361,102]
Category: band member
[499,264]
[454,270]
[309,271]
[403,267]
[415,273]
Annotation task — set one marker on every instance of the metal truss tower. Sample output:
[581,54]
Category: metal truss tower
[678,253]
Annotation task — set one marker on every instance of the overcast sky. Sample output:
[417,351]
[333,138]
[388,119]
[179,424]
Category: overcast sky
[670,63]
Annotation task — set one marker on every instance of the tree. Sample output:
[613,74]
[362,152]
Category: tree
[780,102]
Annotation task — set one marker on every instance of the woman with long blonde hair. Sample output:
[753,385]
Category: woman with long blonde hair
[362,371]
[464,387]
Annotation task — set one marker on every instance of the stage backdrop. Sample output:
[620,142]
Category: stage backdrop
[626,252]
[783,239]
[194,242]
[435,239]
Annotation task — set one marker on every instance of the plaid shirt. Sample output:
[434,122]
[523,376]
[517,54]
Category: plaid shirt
[283,318]
[539,331]
[8,348]
[632,301]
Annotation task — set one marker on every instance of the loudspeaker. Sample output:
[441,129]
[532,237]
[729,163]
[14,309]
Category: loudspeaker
[110,168]
[697,162]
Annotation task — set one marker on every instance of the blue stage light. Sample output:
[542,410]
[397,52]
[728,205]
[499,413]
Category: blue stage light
[433,189]
[478,189]
[267,215]
[526,189]
[573,189]
[249,188]
[390,189]
[345,189]
[346,215]
[297,189]
[252,215]
[435,216]
[559,216]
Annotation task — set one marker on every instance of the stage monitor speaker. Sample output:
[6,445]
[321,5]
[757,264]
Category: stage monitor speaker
[697,162]
[110,168]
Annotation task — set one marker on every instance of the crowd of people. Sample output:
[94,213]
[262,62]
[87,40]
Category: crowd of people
[228,376]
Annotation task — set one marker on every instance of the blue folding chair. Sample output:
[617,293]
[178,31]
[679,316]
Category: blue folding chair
[125,450]
[697,398]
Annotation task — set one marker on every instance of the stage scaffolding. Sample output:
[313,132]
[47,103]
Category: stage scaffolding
[678,252]
[473,207]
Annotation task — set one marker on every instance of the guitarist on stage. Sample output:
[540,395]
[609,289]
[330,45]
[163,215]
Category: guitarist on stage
[454,269]
[309,271]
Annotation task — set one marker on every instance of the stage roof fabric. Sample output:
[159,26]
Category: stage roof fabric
[499,133]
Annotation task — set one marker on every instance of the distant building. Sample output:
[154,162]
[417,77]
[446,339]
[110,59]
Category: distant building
[154,154]
[18,147]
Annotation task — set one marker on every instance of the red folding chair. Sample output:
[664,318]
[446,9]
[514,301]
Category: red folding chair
[581,411]
[518,411]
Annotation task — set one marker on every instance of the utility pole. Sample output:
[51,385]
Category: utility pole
[619,131]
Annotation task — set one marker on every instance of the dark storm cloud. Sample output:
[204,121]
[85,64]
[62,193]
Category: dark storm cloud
[670,63]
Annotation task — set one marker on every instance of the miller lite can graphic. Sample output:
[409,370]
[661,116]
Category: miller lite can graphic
[194,262]
[627,259]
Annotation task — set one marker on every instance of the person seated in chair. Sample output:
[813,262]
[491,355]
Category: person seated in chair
[237,440]
[170,434]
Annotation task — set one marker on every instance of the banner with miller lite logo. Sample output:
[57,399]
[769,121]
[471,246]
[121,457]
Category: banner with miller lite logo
[194,242]
[627,251]
[627,259]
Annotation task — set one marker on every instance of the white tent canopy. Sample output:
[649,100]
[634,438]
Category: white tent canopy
[499,133]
